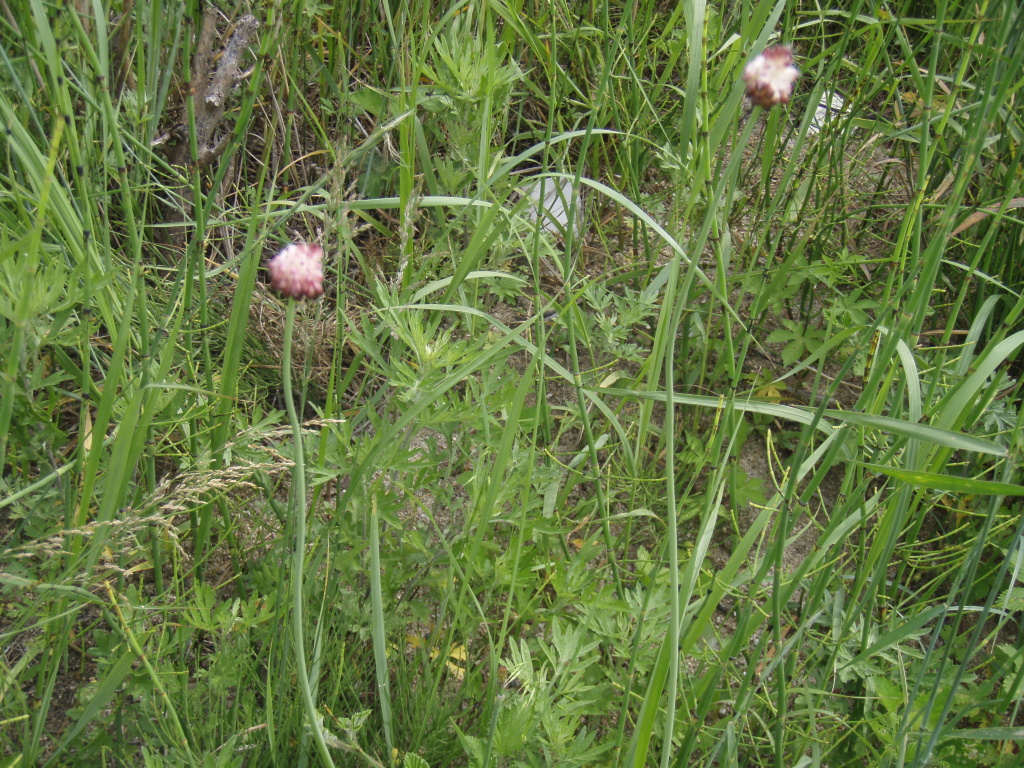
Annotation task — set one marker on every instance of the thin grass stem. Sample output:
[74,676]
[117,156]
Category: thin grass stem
[299,512]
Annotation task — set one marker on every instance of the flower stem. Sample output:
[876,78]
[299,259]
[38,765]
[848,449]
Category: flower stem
[299,553]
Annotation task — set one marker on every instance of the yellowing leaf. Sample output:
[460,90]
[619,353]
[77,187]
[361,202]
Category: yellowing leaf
[769,392]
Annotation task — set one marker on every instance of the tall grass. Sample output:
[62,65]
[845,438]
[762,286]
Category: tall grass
[724,472]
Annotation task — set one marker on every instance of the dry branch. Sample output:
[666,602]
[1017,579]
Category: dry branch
[214,74]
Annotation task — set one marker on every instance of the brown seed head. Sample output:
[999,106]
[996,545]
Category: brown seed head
[770,76]
[297,271]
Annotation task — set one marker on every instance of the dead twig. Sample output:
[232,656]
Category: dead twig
[214,74]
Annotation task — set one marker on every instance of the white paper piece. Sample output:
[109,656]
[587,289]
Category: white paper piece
[553,210]
[829,109]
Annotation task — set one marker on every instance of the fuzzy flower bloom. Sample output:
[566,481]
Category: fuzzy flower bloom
[297,271]
[770,76]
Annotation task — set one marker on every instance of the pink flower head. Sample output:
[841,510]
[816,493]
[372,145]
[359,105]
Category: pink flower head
[297,271]
[770,76]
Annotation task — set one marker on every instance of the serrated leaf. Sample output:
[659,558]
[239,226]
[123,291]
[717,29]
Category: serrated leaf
[412,760]
[1012,600]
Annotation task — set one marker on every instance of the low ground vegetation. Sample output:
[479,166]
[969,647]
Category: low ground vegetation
[637,423]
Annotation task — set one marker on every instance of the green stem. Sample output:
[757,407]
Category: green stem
[379,640]
[133,643]
[299,553]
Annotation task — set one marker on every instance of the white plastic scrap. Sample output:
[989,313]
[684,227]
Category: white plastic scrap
[553,209]
[829,109]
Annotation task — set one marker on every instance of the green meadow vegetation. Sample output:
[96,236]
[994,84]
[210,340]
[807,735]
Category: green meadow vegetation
[637,425]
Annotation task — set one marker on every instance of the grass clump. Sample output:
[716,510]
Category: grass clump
[638,424]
